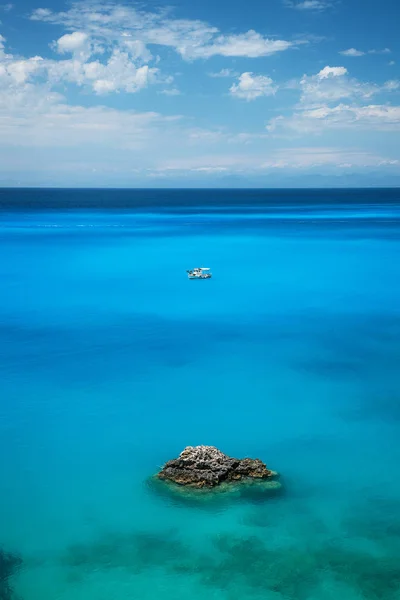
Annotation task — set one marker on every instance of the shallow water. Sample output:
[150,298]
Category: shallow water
[111,361]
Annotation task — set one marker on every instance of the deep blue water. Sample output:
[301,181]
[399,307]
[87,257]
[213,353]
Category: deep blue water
[111,362]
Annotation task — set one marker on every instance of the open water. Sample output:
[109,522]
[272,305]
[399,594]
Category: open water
[112,361]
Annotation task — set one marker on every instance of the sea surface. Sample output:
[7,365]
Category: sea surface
[112,361]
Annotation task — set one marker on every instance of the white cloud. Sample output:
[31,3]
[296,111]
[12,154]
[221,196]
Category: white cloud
[210,169]
[352,52]
[200,136]
[224,73]
[32,116]
[71,42]
[208,162]
[170,92]
[331,99]
[121,34]
[41,14]
[137,50]
[390,162]
[355,52]
[311,157]
[252,86]
[383,51]
[118,73]
[110,23]
[392,86]
[250,44]
[78,44]
[331,72]
[299,158]
[342,116]
[246,138]
[392,63]
[14,71]
[116,141]
[332,84]
[6,7]
[312,5]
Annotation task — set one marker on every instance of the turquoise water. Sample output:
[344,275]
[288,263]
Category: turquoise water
[111,362]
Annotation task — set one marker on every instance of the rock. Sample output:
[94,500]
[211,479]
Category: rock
[206,466]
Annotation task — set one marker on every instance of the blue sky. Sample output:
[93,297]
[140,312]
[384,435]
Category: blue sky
[262,92]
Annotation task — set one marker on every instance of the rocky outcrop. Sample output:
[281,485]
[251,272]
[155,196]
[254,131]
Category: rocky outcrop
[206,466]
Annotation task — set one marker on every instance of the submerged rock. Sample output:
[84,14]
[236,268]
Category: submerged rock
[208,467]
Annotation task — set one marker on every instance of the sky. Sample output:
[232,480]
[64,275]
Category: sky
[224,93]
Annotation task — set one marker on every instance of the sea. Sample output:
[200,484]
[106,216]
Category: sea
[112,361]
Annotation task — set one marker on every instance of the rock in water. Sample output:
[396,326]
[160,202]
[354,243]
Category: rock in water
[206,466]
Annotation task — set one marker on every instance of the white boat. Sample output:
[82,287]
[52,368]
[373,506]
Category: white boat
[199,273]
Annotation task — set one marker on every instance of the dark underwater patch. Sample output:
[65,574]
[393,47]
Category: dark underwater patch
[381,406]
[134,552]
[249,565]
[134,344]
[352,346]
[373,577]
[376,519]
[9,565]
[243,567]
[270,516]
[332,368]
